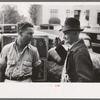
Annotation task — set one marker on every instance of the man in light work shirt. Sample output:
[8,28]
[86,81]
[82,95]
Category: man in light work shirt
[19,61]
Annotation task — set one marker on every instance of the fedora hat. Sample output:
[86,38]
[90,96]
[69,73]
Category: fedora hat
[71,24]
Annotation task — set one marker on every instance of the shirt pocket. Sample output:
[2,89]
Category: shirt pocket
[10,66]
[27,63]
[27,67]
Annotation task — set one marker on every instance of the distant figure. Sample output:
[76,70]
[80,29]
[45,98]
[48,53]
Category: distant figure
[56,58]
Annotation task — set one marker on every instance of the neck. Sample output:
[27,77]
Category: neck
[20,45]
[74,41]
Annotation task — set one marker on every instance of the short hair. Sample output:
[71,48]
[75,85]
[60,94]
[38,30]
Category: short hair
[23,25]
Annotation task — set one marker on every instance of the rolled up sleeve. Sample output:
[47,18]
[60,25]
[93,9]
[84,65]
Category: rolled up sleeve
[36,59]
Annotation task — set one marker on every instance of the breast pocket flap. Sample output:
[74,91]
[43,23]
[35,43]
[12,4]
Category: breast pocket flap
[27,63]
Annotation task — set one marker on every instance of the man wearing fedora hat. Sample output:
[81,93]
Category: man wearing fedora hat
[78,66]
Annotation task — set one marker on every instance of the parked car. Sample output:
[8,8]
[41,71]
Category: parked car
[8,28]
[50,26]
[94,34]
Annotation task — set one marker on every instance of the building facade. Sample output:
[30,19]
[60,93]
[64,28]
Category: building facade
[89,15]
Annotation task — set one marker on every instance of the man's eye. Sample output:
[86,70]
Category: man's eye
[30,33]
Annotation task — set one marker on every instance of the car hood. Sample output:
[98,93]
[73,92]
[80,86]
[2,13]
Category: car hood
[50,36]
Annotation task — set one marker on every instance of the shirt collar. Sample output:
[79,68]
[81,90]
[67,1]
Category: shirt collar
[74,44]
[15,45]
[77,45]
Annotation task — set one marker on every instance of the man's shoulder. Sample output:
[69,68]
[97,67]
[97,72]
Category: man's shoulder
[8,45]
[79,47]
[51,50]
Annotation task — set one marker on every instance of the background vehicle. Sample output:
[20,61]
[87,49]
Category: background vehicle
[94,34]
[50,26]
[8,28]
[12,29]
[51,37]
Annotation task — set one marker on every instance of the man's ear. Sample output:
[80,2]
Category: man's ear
[76,33]
[20,33]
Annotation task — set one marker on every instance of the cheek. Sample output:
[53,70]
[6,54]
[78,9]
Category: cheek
[72,37]
[25,37]
[66,39]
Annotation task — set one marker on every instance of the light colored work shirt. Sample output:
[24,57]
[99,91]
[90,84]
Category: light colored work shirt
[19,64]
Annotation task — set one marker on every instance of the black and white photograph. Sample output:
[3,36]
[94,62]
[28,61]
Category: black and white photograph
[50,45]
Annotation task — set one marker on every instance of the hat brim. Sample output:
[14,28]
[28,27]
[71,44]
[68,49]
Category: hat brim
[71,29]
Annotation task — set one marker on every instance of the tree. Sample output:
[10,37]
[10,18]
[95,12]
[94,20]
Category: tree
[54,20]
[34,11]
[10,15]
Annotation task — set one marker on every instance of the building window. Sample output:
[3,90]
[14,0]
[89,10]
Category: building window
[53,12]
[67,13]
[87,15]
[98,18]
[77,14]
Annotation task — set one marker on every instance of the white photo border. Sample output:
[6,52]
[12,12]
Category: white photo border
[51,90]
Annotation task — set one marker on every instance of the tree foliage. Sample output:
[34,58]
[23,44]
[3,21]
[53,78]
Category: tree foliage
[10,15]
[34,11]
[54,20]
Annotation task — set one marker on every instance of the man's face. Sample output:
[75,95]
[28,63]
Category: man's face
[27,35]
[69,37]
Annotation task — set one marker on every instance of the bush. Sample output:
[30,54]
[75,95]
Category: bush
[54,20]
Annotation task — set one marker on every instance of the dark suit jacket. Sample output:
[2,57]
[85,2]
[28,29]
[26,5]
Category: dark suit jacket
[79,65]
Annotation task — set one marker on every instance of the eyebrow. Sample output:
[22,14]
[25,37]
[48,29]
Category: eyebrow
[30,32]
